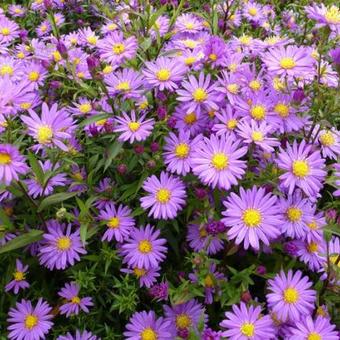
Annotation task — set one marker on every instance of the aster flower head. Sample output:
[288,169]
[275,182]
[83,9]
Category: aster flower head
[146,326]
[12,164]
[317,329]
[311,253]
[178,152]
[34,74]
[160,27]
[230,84]
[199,93]
[324,15]
[19,278]
[132,128]
[160,291]
[84,335]
[329,140]
[164,73]
[29,322]
[52,128]
[60,246]
[226,122]
[146,277]
[253,12]
[290,296]
[216,161]
[252,216]
[166,196]
[74,303]
[214,51]
[303,168]
[118,221]
[188,23]
[291,61]
[144,248]
[247,323]
[9,30]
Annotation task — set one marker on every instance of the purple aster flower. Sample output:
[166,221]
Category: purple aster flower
[253,12]
[164,73]
[146,326]
[12,164]
[9,30]
[303,168]
[257,133]
[291,61]
[324,15]
[178,152]
[248,323]
[216,161]
[166,196]
[28,322]
[127,83]
[317,329]
[199,239]
[335,55]
[160,291]
[336,193]
[52,128]
[214,51]
[185,316]
[188,23]
[87,37]
[291,296]
[297,214]
[60,246]
[85,335]
[144,248]
[160,27]
[133,128]
[252,216]
[36,189]
[315,227]
[227,122]
[146,277]
[19,281]
[330,143]
[199,93]
[334,253]
[114,49]
[118,221]
[82,107]
[74,303]
[16,11]
[34,74]
[229,84]
[311,253]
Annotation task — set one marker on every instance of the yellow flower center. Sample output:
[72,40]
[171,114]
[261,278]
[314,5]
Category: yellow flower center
[77,176]
[190,118]
[213,57]
[92,40]
[107,69]
[209,281]
[118,48]
[123,86]
[33,76]
[18,276]
[333,259]
[75,300]
[163,196]
[112,27]
[183,321]
[247,329]
[189,60]
[85,108]
[21,55]
[327,139]
[321,312]
[312,247]
[272,40]
[134,126]
[6,70]
[200,95]
[31,321]
[290,295]
[26,106]
[80,75]
[252,217]
[300,169]
[232,88]
[190,43]
[43,28]
[148,334]
[257,136]
[56,56]
[245,39]
[182,150]
[5,31]
[333,15]
[203,233]
[145,246]
[287,63]
[282,110]
[314,336]
[5,158]
[255,85]
[44,134]
[258,112]
[231,124]
[139,272]
[64,243]
[163,74]
[252,11]
[278,84]
[113,223]
[220,161]
[294,214]
[232,67]
[312,225]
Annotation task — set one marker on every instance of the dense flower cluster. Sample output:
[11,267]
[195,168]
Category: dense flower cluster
[169,170]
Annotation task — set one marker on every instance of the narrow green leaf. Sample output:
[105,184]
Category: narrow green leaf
[56,198]
[5,220]
[94,119]
[22,241]
[113,150]
[37,169]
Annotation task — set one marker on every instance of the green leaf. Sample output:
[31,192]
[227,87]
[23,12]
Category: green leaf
[37,169]
[5,220]
[113,150]
[22,241]
[94,119]
[56,198]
